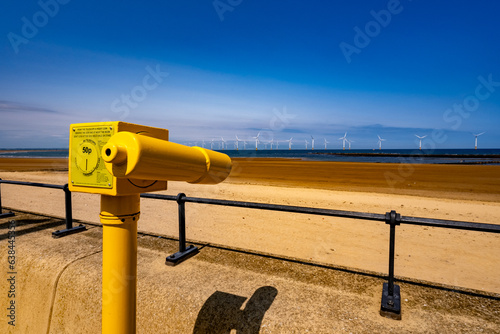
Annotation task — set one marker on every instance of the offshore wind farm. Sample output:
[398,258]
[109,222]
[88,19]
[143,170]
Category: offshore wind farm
[341,150]
[376,144]
[336,151]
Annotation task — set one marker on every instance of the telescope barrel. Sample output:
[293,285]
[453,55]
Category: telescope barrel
[137,156]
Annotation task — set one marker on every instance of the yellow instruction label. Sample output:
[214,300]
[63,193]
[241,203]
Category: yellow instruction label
[87,166]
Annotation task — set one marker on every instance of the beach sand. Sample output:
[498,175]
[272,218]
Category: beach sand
[457,192]
[33,164]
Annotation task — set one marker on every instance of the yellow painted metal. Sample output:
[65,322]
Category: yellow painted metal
[140,157]
[119,161]
[119,216]
[87,167]
[87,172]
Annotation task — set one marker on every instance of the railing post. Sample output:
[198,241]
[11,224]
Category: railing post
[68,206]
[182,222]
[69,217]
[6,214]
[184,252]
[391,297]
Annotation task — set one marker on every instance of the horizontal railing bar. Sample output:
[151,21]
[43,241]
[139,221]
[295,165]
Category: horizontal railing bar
[273,207]
[158,196]
[479,227]
[288,208]
[454,224]
[33,184]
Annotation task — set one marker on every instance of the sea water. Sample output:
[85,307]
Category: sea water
[437,156]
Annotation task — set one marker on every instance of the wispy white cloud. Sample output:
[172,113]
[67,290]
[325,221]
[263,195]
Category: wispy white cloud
[11,106]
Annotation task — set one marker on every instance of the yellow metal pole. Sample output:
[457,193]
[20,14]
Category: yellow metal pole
[119,216]
[119,161]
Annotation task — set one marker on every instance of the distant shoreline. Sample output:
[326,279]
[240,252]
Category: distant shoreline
[438,156]
[403,155]
[33,150]
[9,163]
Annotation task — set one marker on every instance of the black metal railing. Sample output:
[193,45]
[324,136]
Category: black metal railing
[391,297]
[70,229]
[390,305]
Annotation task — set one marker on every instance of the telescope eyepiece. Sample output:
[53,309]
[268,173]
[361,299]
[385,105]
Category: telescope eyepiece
[113,153]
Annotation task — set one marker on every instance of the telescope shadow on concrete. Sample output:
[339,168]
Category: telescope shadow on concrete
[222,312]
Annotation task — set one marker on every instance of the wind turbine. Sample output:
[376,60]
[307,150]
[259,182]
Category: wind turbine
[244,145]
[223,142]
[306,143]
[344,139]
[380,140]
[277,144]
[326,142]
[272,142]
[290,143]
[256,141]
[312,143]
[212,144]
[475,142]
[420,145]
[350,141]
[203,143]
[237,143]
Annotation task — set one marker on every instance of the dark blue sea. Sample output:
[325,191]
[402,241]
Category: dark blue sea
[437,156]
[33,153]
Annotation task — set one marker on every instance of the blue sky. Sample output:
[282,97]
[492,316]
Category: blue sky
[205,69]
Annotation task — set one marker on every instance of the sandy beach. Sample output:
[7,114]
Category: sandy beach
[464,259]
[33,164]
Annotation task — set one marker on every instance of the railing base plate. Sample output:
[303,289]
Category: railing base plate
[391,306]
[68,231]
[7,215]
[178,257]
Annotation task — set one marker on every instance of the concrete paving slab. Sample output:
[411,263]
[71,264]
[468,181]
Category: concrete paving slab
[220,290]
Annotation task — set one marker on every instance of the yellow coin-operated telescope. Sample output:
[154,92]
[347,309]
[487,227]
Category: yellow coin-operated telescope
[120,161]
